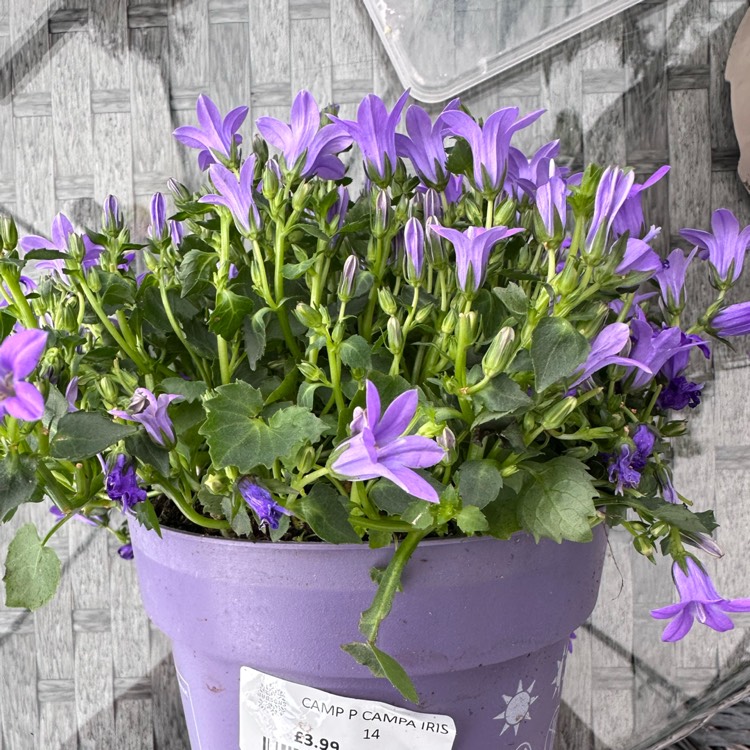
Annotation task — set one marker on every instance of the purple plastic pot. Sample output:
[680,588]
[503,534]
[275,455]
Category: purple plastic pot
[482,626]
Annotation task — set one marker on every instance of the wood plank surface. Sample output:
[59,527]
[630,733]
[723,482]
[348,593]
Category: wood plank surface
[89,93]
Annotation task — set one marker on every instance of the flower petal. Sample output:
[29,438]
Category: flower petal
[679,627]
[20,352]
[409,481]
[27,404]
[397,417]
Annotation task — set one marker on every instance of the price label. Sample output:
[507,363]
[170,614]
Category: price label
[277,714]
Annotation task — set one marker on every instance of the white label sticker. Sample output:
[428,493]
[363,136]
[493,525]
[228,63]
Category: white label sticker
[277,714]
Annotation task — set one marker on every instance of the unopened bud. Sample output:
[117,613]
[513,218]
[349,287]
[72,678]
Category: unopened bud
[702,542]
[108,389]
[434,249]
[260,149]
[215,484]
[158,228]
[339,332]
[450,321]
[301,194]
[306,459]
[556,415]
[504,213]
[271,179]
[643,546]
[93,280]
[468,324]
[500,352]
[312,373]
[308,316]
[395,336]
[659,529]
[424,313]
[569,278]
[8,232]
[381,213]
[112,216]
[178,190]
[432,204]
[414,248]
[348,276]
[387,302]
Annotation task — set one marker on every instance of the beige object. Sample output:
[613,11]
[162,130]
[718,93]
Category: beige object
[738,75]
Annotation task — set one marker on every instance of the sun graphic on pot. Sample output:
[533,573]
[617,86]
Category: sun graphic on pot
[517,707]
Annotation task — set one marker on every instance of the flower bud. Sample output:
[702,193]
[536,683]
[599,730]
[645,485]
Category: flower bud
[301,194]
[395,336]
[312,373]
[702,542]
[432,204]
[500,352]
[306,459]
[112,216]
[337,212]
[450,321]
[8,233]
[424,313]
[108,389]
[158,228]
[260,149]
[128,381]
[215,484]
[176,232]
[178,190]
[414,246]
[348,276]
[569,278]
[434,246]
[381,213]
[93,280]
[504,213]
[387,302]
[643,546]
[447,441]
[556,414]
[468,324]
[308,316]
[659,529]
[271,179]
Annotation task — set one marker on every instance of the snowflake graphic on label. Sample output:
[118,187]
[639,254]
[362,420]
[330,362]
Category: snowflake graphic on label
[517,707]
[271,699]
[549,743]
[557,682]
[524,746]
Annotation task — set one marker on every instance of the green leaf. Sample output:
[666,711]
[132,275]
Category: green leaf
[514,298]
[115,290]
[383,665]
[83,434]
[461,160]
[502,514]
[557,349]
[18,483]
[236,436]
[306,394]
[479,482]
[557,500]
[420,514]
[212,504]
[229,315]
[254,331]
[471,520]
[238,517]
[45,254]
[676,515]
[55,408]
[196,270]
[295,270]
[356,353]
[389,386]
[325,511]
[148,452]
[191,390]
[501,396]
[145,513]
[390,498]
[32,572]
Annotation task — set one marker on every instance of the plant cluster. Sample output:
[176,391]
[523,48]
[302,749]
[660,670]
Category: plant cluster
[477,342]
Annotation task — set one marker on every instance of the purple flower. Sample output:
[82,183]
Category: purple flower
[639,257]
[612,192]
[679,393]
[379,448]
[260,500]
[454,189]
[306,146]
[473,249]
[424,145]
[71,393]
[528,174]
[726,247]
[151,412]
[733,320]
[605,351]
[216,137]
[176,232]
[655,347]
[630,216]
[703,542]
[19,355]
[671,277]
[626,466]
[490,144]
[337,212]
[573,636]
[698,600]
[126,551]
[414,246]
[62,230]
[374,130]
[122,484]
[236,195]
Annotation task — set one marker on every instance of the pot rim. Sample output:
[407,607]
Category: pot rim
[517,538]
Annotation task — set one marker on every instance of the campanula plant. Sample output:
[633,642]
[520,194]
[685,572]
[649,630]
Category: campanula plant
[476,342]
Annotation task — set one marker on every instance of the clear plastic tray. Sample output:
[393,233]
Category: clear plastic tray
[443,47]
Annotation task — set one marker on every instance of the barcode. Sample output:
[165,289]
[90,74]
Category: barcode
[269,744]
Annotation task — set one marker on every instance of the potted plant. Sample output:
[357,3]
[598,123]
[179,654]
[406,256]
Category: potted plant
[305,403]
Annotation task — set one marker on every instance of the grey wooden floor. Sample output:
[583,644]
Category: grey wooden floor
[89,92]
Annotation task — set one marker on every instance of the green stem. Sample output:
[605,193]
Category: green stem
[278,286]
[381,524]
[190,513]
[380,263]
[19,298]
[60,523]
[222,275]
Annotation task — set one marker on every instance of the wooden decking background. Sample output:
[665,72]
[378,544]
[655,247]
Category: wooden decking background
[89,93]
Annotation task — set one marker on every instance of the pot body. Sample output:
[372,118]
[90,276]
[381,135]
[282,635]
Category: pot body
[482,626]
